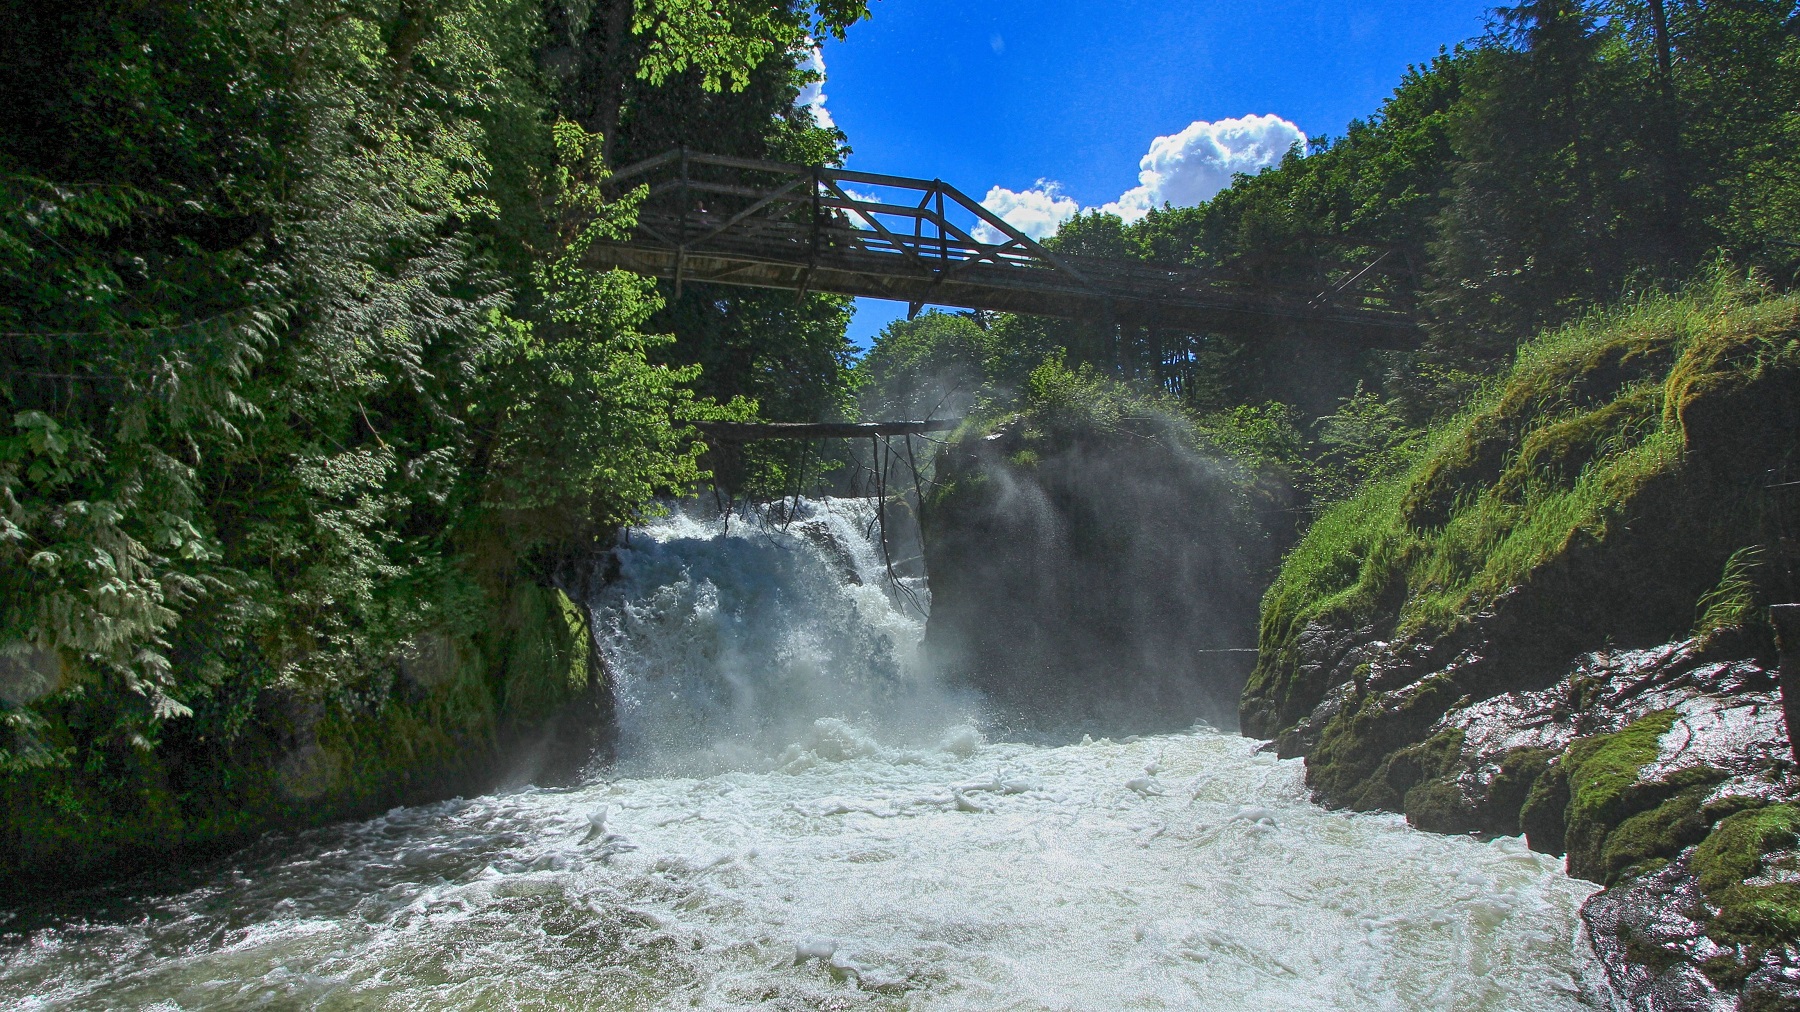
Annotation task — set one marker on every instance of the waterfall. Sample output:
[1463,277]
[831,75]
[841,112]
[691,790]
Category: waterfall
[729,639]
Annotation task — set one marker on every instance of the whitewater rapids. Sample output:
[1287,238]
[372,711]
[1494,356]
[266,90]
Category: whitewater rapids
[875,851]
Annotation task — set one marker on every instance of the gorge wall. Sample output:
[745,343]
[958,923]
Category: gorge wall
[460,708]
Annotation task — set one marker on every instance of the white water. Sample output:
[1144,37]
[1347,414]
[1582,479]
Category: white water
[866,850]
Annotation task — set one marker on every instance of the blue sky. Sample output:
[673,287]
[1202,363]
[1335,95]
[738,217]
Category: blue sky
[986,93]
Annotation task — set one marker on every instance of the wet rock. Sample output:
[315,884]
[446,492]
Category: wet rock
[1626,762]
[1651,953]
[1327,663]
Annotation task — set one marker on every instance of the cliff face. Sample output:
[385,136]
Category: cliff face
[1092,566]
[1555,623]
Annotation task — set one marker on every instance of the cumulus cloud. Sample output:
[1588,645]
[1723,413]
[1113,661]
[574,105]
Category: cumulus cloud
[1188,168]
[1037,212]
[1182,169]
[812,96]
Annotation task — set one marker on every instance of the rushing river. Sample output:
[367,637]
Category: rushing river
[800,817]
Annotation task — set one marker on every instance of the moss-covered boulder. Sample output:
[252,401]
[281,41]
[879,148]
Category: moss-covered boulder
[1090,560]
[1554,623]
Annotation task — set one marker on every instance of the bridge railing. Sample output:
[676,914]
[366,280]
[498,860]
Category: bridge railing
[722,219]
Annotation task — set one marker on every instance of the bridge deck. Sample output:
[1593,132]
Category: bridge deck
[736,221]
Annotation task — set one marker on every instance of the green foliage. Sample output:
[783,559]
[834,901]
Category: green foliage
[584,433]
[1505,186]
[787,359]
[933,366]
[1735,602]
[1634,419]
[304,384]
[723,40]
[1365,440]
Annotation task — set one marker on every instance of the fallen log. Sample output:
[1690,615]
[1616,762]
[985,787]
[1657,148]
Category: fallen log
[748,432]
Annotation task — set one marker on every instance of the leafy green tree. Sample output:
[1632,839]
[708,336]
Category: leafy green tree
[933,366]
[300,365]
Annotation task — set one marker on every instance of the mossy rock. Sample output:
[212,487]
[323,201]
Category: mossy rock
[1602,770]
[1354,746]
[1655,835]
[1591,804]
[1759,915]
[1544,817]
[1735,849]
[1520,771]
[1412,781]
[425,723]
[1439,806]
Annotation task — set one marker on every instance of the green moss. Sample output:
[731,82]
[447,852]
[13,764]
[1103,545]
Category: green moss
[1438,805]
[1357,760]
[1655,835]
[1601,771]
[1759,915]
[1645,952]
[1396,784]
[1734,850]
[1591,804]
[1520,770]
[1726,971]
[1544,817]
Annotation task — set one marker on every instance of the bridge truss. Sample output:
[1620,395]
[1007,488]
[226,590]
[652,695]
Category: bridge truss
[738,221]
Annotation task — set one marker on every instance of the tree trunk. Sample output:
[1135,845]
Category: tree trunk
[1674,186]
[599,64]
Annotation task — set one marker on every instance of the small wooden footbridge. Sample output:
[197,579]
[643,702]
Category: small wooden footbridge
[739,221]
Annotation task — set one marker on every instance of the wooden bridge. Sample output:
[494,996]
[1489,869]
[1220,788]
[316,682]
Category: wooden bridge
[739,221]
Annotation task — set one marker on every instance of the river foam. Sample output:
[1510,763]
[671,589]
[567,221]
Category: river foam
[1180,871]
[855,842]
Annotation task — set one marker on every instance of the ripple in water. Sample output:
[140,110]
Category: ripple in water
[848,860]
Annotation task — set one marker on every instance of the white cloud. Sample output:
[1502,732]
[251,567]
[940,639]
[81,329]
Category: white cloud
[1183,169]
[1037,212]
[1188,168]
[812,96]
[856,217]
